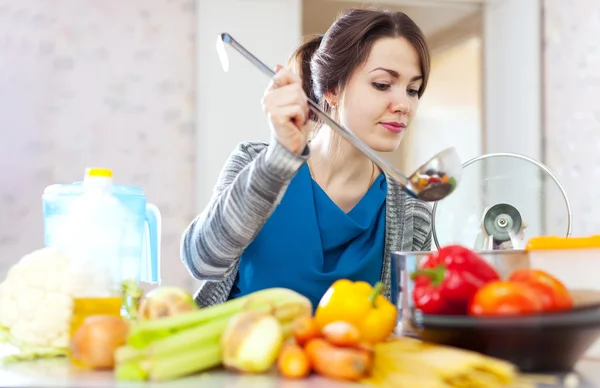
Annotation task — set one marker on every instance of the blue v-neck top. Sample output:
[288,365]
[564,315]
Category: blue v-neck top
[308,242]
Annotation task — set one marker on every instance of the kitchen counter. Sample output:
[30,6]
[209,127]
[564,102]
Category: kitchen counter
[60,373]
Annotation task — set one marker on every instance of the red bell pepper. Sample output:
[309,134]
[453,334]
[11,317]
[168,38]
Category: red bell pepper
[446,281]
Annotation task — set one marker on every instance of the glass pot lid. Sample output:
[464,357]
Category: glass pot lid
[501,203]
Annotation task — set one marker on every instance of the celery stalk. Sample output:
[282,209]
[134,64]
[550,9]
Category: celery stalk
[283,302]
[185,363]
[194,337]
[172,366]
[190,338]
[145,332]
[188,343]
[131,371]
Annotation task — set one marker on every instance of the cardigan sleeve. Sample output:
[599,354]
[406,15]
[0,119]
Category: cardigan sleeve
[422,234]
[244,196]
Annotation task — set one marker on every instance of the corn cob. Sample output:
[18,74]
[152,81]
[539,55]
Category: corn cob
[188,343]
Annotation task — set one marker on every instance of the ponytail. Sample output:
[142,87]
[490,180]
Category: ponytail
[300,63]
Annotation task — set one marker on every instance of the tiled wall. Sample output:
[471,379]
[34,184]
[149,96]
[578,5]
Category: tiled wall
[572,119]
[92,82]
[571,109]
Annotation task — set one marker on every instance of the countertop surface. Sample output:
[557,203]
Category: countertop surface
[60,373]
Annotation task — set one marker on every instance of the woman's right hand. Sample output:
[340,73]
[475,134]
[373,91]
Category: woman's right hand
[286,107]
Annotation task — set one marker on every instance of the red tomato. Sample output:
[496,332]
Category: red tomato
[502,298]
[556,296]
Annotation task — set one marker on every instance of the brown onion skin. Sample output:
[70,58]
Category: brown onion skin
[96,340]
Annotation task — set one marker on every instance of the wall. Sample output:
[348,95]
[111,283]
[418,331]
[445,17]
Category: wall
[571,113]
[229,104]
[572,122]
[454,89]
[450,115]
[513,107]
[433,20]
[103,83]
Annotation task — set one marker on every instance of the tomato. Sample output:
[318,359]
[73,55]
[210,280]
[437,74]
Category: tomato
[556,296]
[502,298]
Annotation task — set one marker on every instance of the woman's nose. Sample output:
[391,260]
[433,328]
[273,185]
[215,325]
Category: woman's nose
[401,104]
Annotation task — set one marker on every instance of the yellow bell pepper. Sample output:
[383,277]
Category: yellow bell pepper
[361,305]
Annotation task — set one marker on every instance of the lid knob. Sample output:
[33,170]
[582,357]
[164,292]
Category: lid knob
[502,221]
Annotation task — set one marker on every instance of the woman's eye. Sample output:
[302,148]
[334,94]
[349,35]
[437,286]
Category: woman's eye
[380,86]
[413,92]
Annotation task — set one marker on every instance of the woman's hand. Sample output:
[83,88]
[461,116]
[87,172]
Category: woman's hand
[286,107]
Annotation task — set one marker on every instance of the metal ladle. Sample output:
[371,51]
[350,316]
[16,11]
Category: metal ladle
[433,181]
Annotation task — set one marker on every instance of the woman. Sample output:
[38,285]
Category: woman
[301,214]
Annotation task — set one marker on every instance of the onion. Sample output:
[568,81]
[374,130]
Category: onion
[251,342]
[96,340]
[164,302]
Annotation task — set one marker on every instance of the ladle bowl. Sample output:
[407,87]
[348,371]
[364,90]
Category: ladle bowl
[433,181]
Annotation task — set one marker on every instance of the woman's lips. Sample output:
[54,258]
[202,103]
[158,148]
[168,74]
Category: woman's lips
[394,127]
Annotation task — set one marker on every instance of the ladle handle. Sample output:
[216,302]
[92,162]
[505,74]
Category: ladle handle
[384,165]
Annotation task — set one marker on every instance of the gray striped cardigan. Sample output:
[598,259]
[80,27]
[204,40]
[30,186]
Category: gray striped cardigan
[249,187]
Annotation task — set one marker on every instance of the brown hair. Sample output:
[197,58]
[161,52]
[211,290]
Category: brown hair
[326,62]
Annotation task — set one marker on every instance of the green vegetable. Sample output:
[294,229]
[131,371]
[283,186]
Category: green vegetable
[180,345]
[285,303]
[194,337]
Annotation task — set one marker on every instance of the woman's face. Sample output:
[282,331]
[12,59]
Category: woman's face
[381,97]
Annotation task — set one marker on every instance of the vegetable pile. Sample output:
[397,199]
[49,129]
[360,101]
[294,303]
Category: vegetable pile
[457,281]
[242,334]
[338,341]
[350,336]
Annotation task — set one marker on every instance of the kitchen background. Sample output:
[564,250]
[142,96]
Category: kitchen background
[136,86]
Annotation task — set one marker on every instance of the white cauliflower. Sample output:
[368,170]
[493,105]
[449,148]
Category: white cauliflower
[36,300]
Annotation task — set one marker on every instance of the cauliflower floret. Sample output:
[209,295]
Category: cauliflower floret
[36,300]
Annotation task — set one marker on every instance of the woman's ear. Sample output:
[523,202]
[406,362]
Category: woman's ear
[331,98]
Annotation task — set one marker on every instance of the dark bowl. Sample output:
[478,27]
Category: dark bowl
[550,342]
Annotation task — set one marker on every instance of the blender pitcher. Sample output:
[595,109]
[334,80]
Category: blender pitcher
[111,233]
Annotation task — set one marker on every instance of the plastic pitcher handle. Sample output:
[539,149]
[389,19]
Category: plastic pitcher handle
[152,264]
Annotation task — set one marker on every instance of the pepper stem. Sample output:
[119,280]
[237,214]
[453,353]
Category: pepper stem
[378,289]
[435,275]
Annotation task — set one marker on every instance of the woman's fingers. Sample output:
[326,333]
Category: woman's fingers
[291,94]
[283,77]
[289,115]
